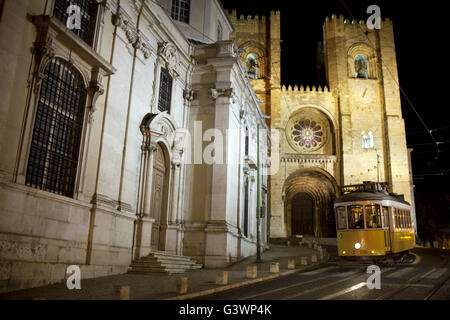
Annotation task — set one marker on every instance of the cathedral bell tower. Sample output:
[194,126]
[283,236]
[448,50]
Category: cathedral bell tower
[361,68]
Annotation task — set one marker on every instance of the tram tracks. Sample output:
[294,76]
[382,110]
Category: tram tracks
[413,281]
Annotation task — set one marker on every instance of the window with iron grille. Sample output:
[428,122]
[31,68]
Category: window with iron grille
[165,91]
[55,144]
[180,10]
[246,210]
[88,11]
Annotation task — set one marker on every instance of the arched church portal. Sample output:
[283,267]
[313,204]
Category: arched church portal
[159,198]
[308,203]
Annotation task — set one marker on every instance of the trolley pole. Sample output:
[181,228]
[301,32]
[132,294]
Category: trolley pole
[258,206]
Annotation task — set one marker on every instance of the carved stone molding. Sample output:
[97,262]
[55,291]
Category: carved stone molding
[43,52]
[102,200]
[169,54]
[219,93]
[135,38]
[227,48]
[95,89]
[188,94]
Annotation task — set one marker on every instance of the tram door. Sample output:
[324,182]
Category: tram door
[386,212]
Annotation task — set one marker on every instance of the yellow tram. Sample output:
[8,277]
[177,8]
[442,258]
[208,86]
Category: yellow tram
[373,224]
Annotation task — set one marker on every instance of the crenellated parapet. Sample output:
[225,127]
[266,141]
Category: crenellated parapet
[305,90]
[342,22]
[248,19]
[319,98]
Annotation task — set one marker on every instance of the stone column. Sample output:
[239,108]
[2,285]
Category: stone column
[144,222]
[171,230]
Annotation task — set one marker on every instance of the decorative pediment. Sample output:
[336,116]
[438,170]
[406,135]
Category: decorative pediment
[158,126]
[168,52]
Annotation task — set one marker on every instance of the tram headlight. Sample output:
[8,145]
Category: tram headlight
[357,246]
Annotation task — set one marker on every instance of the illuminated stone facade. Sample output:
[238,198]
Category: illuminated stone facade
[347,133]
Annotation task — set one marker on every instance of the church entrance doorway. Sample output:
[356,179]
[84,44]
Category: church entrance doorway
[159,199]
[308,203]
[302,214]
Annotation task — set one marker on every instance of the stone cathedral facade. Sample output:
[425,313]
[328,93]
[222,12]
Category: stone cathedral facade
[105,139]
[343,134]
[106,134]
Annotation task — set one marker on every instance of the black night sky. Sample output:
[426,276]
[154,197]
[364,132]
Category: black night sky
[420,31]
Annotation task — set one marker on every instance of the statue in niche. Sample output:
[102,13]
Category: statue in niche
[361,67]
[252,66]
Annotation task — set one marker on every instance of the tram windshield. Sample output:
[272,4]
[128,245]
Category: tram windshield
[355,217]
[341,218]
[373,216]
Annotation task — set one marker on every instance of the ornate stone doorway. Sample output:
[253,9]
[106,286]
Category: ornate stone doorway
[159,196]
[308,203]
[302,214]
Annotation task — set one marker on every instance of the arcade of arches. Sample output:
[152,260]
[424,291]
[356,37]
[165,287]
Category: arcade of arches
[308,204]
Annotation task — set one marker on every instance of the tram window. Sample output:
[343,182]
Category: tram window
[385,213]
[341,218]
[401,219]
[373,216]
[404,219]
[397,225]
[355,217]
[409,219]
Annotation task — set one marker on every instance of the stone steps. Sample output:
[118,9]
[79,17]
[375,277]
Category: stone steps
[162,262]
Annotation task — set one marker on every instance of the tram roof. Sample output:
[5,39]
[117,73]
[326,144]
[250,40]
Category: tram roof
[367,196]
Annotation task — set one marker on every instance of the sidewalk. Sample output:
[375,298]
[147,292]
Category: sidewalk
[155,287]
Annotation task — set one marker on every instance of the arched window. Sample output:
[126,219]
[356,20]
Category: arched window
[367,140]
[55,145]
[180,10]
[252,66]
[88,17]
[361,67]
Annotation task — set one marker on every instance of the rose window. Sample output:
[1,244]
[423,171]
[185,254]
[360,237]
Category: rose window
[307,134]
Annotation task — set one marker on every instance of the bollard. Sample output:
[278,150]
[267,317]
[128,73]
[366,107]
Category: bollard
[427,244]
[300,243]
[122,292]
[181,285]
[309,245]
[274,267]
[288,243]
[222,278]
[252,272]
[314,258]
[291,264]
[304,261]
